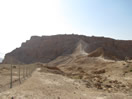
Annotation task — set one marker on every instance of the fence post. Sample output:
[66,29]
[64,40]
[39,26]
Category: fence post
[19,74]
[23,72]
[26,71]
[30,70]
[11,77]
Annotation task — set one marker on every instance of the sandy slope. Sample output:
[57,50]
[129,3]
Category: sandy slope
[48,85]
[52,86]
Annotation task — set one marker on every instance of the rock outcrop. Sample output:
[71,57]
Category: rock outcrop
[47,48]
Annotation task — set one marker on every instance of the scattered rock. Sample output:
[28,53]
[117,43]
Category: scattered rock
[99,71]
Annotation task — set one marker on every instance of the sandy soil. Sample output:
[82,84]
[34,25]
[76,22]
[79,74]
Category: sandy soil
[76,76]
[5,75]
[53,86]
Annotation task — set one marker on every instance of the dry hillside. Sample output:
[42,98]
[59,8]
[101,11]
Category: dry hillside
[47,48]
[79,75]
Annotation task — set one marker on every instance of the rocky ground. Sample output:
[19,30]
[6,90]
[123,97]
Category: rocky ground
[110,76]
[75,76]
[44,85]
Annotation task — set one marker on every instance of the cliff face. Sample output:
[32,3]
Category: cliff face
[47,48]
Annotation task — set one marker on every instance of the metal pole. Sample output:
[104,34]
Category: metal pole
[11,77]
[23,72]
[19,74]
[29,71]
[26,70]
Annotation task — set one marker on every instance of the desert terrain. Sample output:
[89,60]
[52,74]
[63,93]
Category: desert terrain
[79,75]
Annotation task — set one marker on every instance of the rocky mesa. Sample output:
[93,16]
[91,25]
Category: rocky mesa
[47,48]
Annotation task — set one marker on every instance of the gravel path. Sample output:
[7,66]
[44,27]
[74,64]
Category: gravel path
[53,86]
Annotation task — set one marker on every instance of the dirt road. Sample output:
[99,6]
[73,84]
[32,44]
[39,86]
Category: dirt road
[53,86]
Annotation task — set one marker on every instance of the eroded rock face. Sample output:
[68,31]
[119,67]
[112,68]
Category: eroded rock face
[47,48]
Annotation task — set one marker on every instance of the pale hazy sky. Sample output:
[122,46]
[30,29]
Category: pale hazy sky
[20,19]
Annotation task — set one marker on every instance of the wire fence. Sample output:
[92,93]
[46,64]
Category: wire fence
[13,75]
